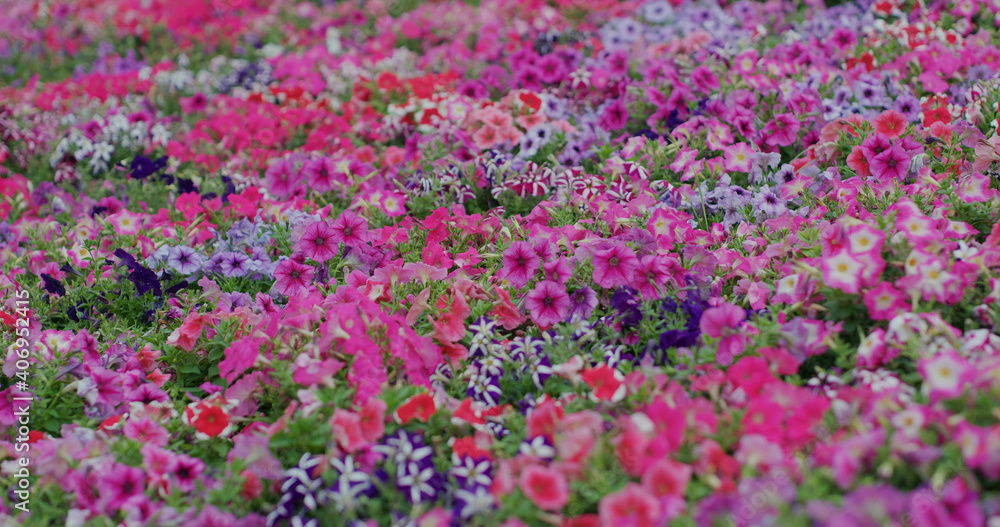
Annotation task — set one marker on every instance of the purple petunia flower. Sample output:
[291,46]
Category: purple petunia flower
[234,264]
[909,106]
[184,260]
[485,388]
[767,204]
[582,303]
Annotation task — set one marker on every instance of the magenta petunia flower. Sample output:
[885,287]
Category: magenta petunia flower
[721,322]
[652,277]
[782,130]
[874,145]
[547,303]
[146,431]
[121,483]
[281,178]
[551,69]
[890,165]
[615,116]
[321,174]
[519,264]
[350,229]
[292,277]
[318,242]
[614,267]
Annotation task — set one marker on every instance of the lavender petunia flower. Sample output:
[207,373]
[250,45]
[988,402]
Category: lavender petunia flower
[234,264]
[767,204]
[184,260]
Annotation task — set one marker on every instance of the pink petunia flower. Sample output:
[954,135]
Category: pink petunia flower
[317,242]
[547,303]
[945,374]
[292,277]
[350,229]
[321,173]
[884,302]
[765,418]
[738,157]
[120,484]
[188,333]
[842,271]
[281,178]
[614,267]
[865,239]
[146,431]
[347,430]
[891,123]
[721,322]
[545,487]
[125,223]
[372,422]
[873,353]
[652,276]
[782,130]
[666,477]
[393,204]
[890,165]
[615,116]
[633,506]
[519,264]
[857,162]
[239,356]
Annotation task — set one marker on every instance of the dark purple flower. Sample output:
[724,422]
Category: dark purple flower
[52,286]
[625,300]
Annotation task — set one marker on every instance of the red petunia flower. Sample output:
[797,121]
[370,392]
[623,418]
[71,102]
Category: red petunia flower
[606,383]
[420,407]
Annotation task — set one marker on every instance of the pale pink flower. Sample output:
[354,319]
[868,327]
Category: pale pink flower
[842,271]
[125,223]
[945,374]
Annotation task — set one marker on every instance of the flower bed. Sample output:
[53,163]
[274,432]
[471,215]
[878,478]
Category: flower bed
[500,263]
